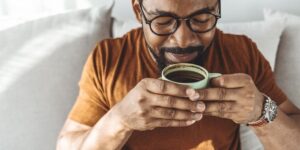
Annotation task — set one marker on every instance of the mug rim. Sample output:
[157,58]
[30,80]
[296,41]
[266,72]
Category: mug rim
[173,66]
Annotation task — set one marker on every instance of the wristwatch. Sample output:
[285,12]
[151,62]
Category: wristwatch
[268,115]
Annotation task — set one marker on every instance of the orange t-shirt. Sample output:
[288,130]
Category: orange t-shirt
[117,65]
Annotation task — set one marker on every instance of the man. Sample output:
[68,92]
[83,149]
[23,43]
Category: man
[123,105]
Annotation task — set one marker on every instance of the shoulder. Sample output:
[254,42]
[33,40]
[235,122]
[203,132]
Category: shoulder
[108,52]
[238,46]
[236,41]
[113,47]
[128,39]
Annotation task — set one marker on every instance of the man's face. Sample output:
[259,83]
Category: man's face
[183,45]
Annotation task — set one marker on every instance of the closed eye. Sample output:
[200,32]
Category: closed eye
[194,20]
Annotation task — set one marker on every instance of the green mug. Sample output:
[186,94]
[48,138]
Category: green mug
[188,74]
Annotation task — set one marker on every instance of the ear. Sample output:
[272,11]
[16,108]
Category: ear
[137,10]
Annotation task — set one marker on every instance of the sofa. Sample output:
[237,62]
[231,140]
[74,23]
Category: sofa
[41,62]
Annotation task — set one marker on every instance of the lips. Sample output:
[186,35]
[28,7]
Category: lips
[180,58]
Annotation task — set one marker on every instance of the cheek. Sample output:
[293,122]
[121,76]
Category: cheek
[153,40]
[206,38]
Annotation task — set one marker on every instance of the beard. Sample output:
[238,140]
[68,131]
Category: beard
[162,62]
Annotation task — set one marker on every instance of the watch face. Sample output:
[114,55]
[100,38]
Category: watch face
[271,108]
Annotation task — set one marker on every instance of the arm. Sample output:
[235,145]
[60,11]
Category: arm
[79,136]
[287,123]
[153,103]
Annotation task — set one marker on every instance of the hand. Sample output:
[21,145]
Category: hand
[156,103]
[233,97]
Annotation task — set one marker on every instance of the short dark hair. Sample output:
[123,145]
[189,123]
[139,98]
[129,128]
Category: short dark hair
[219,1]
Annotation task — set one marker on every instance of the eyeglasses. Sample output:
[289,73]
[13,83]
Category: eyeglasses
[199,22]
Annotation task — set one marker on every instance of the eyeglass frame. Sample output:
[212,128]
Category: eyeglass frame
[178,19]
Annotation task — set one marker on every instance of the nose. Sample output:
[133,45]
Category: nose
[183,36]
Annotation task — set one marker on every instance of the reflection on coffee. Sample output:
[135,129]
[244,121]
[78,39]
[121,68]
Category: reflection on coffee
[185,76]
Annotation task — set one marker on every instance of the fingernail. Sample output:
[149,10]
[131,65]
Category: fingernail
[193,95]
[201,106]
[191,122]
[190,92]
[198,116]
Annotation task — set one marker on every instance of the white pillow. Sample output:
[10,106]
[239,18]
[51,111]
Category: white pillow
[40,65]
[121,27]
[289,19]
[266,34]
[288,62]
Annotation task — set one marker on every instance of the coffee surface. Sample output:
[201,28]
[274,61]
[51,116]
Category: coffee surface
[185,76]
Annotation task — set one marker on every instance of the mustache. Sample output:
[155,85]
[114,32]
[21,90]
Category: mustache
[179,50]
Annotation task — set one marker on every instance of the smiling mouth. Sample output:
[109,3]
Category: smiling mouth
[180,58]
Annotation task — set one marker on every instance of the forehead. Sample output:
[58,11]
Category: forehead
[179,7]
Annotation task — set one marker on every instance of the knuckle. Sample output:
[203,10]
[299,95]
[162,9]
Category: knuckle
[140,97]
[170,113]
[138,94]
[165,123]
[143,83]
[161,85]
[182,123]
[203,94]
[248,79]
[144,113]
[147,122]
[229,106]
[228,115]
[222,93]
[169,100]
[221,109]
[141,112]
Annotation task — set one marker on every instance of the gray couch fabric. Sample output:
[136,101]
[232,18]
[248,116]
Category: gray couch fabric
[40,66]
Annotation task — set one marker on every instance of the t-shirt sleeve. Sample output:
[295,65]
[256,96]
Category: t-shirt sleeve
[91,102]
[263,76]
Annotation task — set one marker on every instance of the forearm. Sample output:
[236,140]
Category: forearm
[107,134]
[282,133]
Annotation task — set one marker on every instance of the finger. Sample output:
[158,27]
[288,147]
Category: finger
[163,87]
[221,107]
[172,123]
[177,103]
[232,80]
[218,94]
[228,115]
[173,114]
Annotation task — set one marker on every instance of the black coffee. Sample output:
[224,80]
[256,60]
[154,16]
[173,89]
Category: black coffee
[185,76]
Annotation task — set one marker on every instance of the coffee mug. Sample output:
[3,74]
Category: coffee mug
[188,74]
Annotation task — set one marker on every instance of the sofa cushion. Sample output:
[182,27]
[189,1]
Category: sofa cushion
[288,63]
[40,65]
[266,34]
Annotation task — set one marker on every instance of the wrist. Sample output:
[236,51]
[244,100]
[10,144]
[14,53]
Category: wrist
[269,113]
[117,122]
